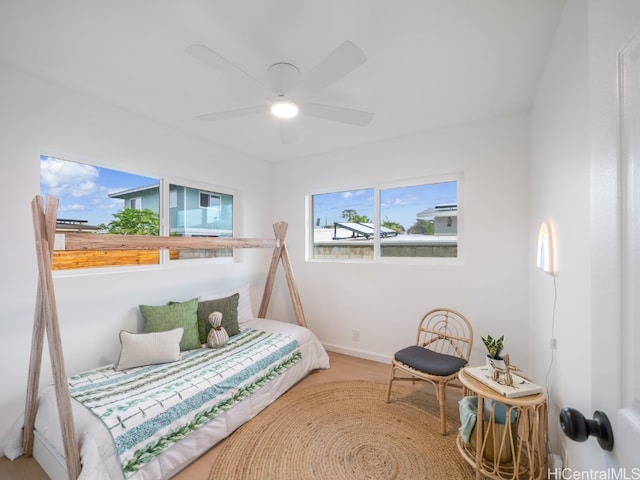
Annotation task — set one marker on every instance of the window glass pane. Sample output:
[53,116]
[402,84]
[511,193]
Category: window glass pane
[208,199]
[96,200]
[198,213]
[420,220]
[343,225]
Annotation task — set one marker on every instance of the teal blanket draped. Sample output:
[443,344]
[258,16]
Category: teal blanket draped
[148,409]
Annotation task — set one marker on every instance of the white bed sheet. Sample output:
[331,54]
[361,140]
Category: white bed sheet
[97,451]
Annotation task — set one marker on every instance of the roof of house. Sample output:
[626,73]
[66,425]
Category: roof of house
[74,225]
[125,193]
[444,210]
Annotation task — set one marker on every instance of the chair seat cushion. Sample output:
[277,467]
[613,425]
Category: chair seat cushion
[429,361]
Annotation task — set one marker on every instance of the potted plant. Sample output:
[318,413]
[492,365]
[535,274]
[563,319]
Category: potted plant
[494,350]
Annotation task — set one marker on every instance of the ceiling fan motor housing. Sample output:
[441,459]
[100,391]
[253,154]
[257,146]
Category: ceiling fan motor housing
[282,77]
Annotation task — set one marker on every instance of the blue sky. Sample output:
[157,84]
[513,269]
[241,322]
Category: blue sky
[396,204]
[82,190]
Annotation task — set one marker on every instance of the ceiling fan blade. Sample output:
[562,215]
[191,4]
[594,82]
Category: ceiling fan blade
[224,66]
[288,132]
[337,114]
[347,57]
[239,112]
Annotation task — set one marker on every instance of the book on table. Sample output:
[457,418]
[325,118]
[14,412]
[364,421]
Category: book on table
[521,386]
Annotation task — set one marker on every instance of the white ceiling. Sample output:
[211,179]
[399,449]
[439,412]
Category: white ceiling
[430,63]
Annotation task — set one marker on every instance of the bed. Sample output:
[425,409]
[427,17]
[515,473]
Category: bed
[97,450]
[72,442]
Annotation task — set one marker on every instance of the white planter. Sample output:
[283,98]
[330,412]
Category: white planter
[498,363]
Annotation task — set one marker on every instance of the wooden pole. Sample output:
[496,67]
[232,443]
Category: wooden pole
[271,277]
[47,316]
[280,253]
[37,339]
[82,241]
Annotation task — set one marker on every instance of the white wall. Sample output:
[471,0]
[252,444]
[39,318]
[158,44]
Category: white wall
[560,193]
[385,302]
[37,117]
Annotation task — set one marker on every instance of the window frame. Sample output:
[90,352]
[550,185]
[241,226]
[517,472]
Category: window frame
[377,257]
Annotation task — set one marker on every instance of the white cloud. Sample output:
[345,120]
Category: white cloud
[76,207]
[356,193]
[64,178]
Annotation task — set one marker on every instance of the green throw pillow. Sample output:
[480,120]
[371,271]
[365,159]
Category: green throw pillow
[227,306]
[174,315]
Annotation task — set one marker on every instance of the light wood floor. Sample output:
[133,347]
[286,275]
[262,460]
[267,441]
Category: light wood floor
[343,367]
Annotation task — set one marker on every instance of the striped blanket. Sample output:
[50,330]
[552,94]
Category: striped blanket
[148,409]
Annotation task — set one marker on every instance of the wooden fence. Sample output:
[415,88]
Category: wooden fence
[73,259]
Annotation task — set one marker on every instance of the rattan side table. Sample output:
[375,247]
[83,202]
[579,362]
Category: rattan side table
[515,449]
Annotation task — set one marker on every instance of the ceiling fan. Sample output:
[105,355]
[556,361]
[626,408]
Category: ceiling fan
[287,91]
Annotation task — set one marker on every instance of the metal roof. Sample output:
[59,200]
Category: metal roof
[123,193]
[444,210]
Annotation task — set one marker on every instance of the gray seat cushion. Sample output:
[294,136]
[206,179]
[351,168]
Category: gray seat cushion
[429,361]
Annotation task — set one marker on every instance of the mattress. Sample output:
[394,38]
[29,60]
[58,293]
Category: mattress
[97,450]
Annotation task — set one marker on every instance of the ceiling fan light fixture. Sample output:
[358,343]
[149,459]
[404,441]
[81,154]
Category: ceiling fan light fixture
[284,109]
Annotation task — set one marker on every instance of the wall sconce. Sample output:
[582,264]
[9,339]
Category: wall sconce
[545,255]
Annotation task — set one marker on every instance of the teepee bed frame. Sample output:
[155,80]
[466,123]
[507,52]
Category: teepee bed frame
[46,317]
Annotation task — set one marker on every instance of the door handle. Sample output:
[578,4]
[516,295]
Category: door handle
[578,428]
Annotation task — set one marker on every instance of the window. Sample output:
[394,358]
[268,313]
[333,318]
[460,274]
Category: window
[208,199]
[414,221]
[96,200]
[134,203]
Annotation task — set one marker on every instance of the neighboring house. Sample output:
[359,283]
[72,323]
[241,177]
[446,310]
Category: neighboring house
[192,212]
[140,198]
[445,218]
[72,225]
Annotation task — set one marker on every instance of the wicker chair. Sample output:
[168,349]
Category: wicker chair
[443,346]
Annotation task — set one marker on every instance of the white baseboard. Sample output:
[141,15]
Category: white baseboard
[354,352]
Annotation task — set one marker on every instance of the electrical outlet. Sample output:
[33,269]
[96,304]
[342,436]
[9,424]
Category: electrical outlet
[355,335]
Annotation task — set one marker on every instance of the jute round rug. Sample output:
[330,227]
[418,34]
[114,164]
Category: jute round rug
[345,431]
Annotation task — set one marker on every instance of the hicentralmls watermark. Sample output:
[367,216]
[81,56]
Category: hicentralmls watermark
[591,474]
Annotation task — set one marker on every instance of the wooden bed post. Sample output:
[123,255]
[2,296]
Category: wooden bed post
[281,253]
[46,318]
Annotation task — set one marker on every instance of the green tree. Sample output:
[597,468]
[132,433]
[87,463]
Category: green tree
[351,215]
[422,227]
[393,226]
[133,222]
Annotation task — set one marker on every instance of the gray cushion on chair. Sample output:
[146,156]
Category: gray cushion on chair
[429,361]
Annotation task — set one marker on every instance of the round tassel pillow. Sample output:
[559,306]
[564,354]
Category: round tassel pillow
[218,336]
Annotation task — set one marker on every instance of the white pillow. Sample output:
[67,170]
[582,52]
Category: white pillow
[245,312]
[139,349]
